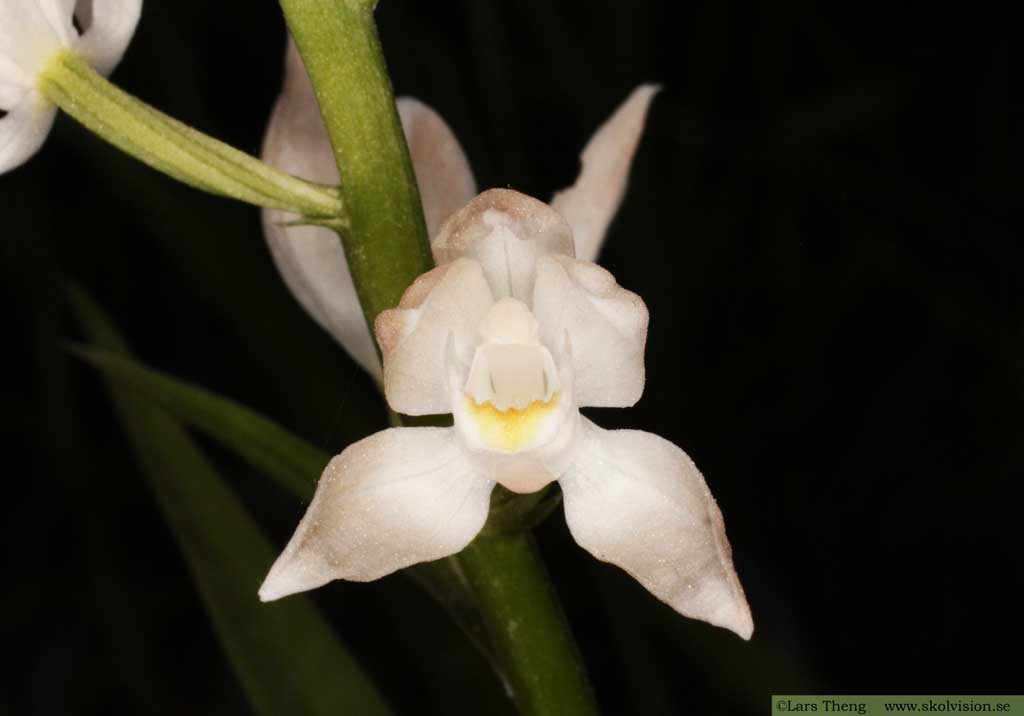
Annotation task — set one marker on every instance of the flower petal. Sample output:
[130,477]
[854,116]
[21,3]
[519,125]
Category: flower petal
[506,232]
[590,204]
[311,259]
[58,15]
[28,40]
[109,27]
[24,129]
[402,496]
[637,501]
[443,173]
[445,305]
[12,78]
[11,93]
[606,326]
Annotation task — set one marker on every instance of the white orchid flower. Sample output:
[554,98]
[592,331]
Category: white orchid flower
[513,333]
[32,34]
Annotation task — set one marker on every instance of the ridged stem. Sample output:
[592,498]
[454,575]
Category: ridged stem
[387,247]
[176,149]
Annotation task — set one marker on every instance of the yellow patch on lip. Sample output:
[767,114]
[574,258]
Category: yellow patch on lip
[510,429]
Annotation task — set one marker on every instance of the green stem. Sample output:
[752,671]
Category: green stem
[178,150]
[386,243]
[527,627]
[387,247]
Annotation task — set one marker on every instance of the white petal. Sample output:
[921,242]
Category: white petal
[10,93]
[312,263]
[402,496]
[442,171]
[27,38]
[606,326]
[590,204]
[24,129]
[110,27]
[58,15]
[442,306]
[310,258]
[637,501]
[506,232]
[12,77]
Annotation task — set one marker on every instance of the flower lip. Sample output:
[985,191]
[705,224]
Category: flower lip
[510,399]
[509,430]
[520,437]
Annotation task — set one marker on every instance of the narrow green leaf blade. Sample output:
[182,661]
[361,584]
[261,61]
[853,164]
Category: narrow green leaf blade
[291,461]
[284,654]
[287,459]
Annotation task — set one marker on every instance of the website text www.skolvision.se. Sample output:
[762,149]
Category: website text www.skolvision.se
[897,704]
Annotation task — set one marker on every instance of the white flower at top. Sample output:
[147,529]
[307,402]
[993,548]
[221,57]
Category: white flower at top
[512,333]
[32,34]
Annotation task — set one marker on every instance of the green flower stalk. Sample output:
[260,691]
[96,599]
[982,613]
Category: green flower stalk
[46,64]
[386,244]
[179,151]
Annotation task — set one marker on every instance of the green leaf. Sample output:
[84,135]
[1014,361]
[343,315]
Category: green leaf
[284,654]
[459,583]
[291,461]
[287,459]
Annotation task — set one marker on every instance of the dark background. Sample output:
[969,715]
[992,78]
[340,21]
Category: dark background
[822,225]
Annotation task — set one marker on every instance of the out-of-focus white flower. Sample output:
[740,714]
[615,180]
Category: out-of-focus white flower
[513,334]
[312,261]
[32,34]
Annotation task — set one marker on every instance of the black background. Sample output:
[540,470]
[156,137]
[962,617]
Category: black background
[821,220]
